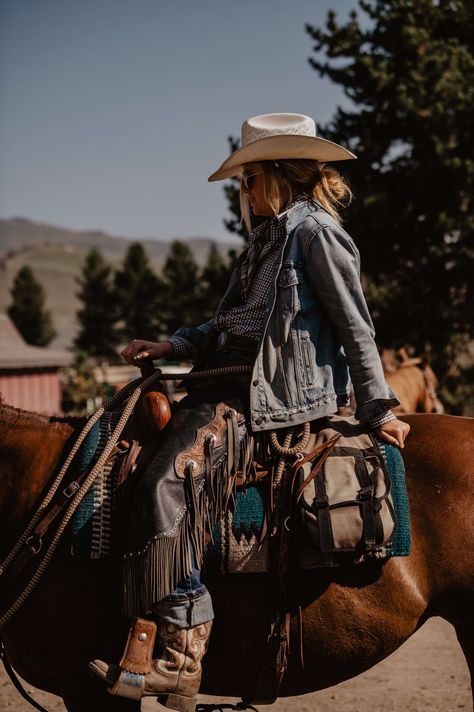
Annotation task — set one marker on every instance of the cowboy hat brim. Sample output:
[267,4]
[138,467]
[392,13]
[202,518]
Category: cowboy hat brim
[275,147]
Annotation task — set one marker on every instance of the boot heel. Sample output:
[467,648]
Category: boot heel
[177,702]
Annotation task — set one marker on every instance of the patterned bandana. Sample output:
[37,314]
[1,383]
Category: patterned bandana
[262,241]
[256,275]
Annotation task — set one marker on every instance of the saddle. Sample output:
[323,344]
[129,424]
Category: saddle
[337,492]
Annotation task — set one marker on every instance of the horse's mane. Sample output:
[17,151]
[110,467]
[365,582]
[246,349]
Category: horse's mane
[10,415]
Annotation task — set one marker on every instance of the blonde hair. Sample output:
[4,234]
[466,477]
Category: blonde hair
[302,177]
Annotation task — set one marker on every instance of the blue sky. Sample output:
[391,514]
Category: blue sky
[114,112]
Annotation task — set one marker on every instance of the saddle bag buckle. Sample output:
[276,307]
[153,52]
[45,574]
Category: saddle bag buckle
[34,544]
[71,489]
[321,501]
[365,494]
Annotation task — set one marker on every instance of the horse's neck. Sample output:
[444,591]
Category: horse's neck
[30,449]
[409,385]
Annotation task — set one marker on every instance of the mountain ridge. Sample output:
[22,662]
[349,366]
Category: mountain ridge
[56,254]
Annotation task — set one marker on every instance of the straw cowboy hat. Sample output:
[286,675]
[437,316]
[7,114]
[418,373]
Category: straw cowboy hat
[271,136]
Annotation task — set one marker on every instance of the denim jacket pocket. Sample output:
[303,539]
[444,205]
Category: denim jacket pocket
[287,285]
[308,361]
[288,277]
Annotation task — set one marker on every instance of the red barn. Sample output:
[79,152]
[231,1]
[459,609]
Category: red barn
[29,375]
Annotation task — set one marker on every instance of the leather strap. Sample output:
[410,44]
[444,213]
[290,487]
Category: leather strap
[138,651]
[128,684]
[129,462]
[321,504]
[13,677]
[34,543]
[323,451]
[365,497]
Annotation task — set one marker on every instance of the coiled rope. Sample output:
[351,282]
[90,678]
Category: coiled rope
[135,388]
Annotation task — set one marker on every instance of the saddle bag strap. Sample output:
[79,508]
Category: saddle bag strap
[274,664]
[138,651]
[370,508]
[321,505]
[13,677]
[282,563]
[34,543]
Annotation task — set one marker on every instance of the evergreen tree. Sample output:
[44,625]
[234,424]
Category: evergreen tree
[214,280]
[98,335]
[81,390]
[408,70]
[180,273]
[139,291]
[232,194]
[27,310]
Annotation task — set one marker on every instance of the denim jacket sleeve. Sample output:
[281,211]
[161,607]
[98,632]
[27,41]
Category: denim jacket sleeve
[333,268]
[192,338]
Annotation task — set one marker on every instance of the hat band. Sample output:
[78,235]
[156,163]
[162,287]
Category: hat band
[251,134]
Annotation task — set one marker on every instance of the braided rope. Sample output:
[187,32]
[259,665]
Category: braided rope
[139,385]
[286,451]
[77,499]
[192,375]
[52,491]
[115,400]
[109,405]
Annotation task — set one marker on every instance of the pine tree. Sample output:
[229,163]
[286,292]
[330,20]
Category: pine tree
[408,70]
[232,193]
[98,335]
[181,276]
[81,390]
[139,291]
[214,280]
[27,310]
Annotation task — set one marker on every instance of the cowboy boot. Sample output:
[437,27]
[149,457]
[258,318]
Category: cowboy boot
[192,648]
[173,677]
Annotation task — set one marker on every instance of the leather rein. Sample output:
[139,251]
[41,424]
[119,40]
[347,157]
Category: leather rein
[30,542]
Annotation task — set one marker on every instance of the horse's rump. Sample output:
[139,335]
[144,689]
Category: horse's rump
[353,616]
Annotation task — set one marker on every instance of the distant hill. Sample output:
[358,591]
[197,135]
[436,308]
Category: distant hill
[20,234]
[56,255]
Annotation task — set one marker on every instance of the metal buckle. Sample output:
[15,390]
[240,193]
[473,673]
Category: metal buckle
[365,494]
[34,544]
[71,489]
[122,446]
[221,340]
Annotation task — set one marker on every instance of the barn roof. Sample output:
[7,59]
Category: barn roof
[16,354]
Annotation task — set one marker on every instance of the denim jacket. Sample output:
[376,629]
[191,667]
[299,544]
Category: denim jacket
[316,330]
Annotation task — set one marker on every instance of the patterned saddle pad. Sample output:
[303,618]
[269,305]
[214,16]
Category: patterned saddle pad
[236,547]
[236,544]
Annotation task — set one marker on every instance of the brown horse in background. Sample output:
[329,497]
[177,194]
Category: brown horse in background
[353,616]
[413,380]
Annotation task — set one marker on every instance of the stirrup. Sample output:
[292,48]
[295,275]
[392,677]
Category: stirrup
[128,678]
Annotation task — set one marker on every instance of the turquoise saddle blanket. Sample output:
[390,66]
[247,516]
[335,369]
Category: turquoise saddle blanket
[235,547]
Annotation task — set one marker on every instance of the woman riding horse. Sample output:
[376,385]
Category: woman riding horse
[295,313]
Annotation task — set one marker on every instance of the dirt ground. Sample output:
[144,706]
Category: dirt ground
[427,674]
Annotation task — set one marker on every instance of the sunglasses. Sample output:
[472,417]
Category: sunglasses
[249,180]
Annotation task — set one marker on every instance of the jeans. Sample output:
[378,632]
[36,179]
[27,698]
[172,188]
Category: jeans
[190,603]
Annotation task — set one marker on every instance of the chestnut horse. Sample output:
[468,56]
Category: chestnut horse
[353,616]
[413,380]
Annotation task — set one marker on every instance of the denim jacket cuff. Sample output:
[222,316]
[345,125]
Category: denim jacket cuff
[181,347]
[366,411]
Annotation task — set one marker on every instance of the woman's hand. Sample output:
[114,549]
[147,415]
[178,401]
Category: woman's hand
[138,351]
[393,432]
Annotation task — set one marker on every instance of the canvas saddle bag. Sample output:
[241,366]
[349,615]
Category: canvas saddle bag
[344,502]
